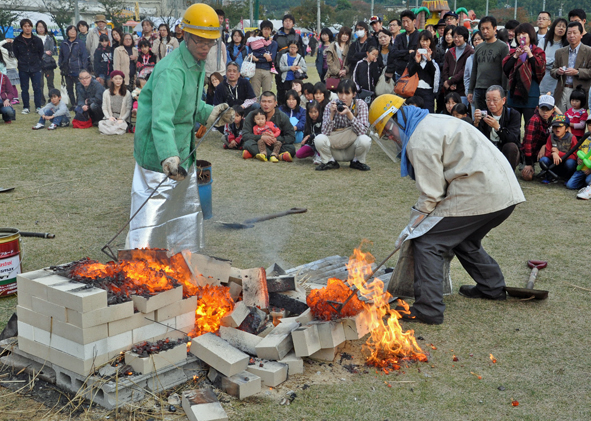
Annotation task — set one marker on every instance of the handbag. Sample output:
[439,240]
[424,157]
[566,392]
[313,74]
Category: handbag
[406,85]
[299,74]
[342,138]
[333,82]
[383,87]
[48,63]
[248,68]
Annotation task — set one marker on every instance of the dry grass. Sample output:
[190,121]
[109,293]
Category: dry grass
[76,184]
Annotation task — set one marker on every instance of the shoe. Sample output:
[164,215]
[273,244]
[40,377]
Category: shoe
[25,111]
[356,165]
[246,154]
[15,101]
[8,122]
[414,315]
[472,291]
[273,159]
[37,109]
[273,70]
[330,165]
[261,157]
[317,160]
[583,194]
[52,126]
[65,124]
[286,156]
[38,126]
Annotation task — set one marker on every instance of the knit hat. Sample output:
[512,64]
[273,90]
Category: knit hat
[560,120]
[547,101]
[116,73]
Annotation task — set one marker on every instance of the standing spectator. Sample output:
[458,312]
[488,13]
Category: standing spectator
[235,91]
[93,38]
[148,32]
[284,36]
[440,28]
[358,49]
[6,96]
[395,25]
[525,67]
[11,64]
[454,63]
[326,38]
[165,44]
[116,106]
[89,106]
[237,49]
[376,26]
[450,18]
[476,40]
[487,67]
[125,58]
[405,46]
[577,113]
[554,40]
[28,50]
[146,60]
[314,42]
[441,49]
[291,65]
[264,59]
[73,56]
[103,60]
[222,19]
[82,28]
[544,21]
[572,66]
[510,27]
[178,31]
[579,15]
[336,55]
[217,57]
[427,69]
[49,50]
[385,48]
[306,42]
[117,35]
[366,71]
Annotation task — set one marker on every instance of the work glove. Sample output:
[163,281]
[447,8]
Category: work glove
[227,118]
[171,168]
[416,217]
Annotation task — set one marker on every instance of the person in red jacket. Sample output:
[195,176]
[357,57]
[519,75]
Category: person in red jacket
[454,63]
[6,96]
[560,141]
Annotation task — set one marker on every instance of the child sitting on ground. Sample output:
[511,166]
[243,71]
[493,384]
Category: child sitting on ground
[461,111]
[581,179]
[313,128]
[258,44]
[103,60]
[559,142]
[307,93]
[577,114]
[263,126]
[296,114]
[233,131]
[146,60]
[55,111]
[135,94]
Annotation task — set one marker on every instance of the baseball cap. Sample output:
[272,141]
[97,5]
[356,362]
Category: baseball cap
[450,13]
[374,19]
[547,101]
[560,120]
[441,22]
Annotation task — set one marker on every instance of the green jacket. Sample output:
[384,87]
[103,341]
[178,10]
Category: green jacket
[168,107]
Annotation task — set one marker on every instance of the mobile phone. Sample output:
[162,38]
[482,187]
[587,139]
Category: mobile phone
[422,51]
[522,42]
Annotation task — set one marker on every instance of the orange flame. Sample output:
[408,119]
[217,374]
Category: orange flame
[493,359]
[213,303]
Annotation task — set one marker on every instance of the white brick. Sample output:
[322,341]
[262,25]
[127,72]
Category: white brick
[237,316]
[155,362]
[49,309]
[235,290]
[331,334]
[161,299]
[186,320]
[34,284]
[202,405]
[272,373]
[33,319]
[25,331]
[176,309]
[358,326]
[102,315]
[305,318]
[77,296]
[235,275]
[241,385]
[151,331]
[278,343]
[219,354]
[305,340]
[327,354]
[241,340]
[130,323]
[295,364]
[254,288]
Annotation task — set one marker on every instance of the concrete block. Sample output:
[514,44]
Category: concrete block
[235,290]
[295,364]
[254,288]
[208,270]
[186,320]
[153,330]
[176,309]
[305,318]
[244,341]
[203,405]
[49,309]
[235,275]
[130,323]
[331,334]
[358,326]
[237,316]
[77,296]
[272,373]
[34,368]
[101,316]
[281,283]
[156,362]
[155,302]
[327,354]
[306,340]
[278,343]
[33,319]
[34,284]
[219,354]
[241,385]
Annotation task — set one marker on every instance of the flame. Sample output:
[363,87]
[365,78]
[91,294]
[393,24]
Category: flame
[213,303]
[387,344]
[493,359]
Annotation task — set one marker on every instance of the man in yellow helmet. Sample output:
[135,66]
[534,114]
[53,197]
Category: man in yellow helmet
[467,188]
[168,108]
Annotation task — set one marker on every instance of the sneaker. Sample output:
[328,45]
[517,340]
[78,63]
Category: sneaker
[52,126]
[413,315]
[38,126]
[286,156]
[472,291]
[356,165]
[330,165]
[261,157]
[317,160]
[273,159]
[15,101]
[583,194]
[25,111]
[8,122]
[273,70]
[246,154]
[37,109]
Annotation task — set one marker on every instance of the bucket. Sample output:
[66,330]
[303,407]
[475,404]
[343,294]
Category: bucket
[10,260]
[204,181]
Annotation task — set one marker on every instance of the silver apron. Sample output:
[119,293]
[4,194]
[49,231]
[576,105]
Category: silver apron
[172,218]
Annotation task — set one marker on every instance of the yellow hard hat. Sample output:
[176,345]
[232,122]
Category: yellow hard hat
[382,109]
[201,20]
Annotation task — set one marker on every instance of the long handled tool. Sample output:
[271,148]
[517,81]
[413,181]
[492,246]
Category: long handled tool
[529,292]
[107,247]
[249,223]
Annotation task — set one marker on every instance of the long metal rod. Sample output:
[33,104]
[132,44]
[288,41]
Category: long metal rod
[170,327]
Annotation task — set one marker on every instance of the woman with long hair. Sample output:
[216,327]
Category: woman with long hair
[237,49]
[49,49]
[336,55]
[384,48]
[554,39]
[117,35]
[125,58]
[425,66]
[326,38]
[116,106]
[165,43]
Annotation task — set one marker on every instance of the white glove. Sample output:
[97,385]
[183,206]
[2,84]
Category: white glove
[416,217]
[170,167]
[227,118]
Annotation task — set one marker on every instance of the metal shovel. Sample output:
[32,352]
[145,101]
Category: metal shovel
[528,292]
[249,223]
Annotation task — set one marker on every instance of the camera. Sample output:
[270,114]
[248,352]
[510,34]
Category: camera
[483,113]
[340,106]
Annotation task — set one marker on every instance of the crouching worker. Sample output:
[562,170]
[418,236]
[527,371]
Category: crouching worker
[169,107]
[467,188]
[56,112]
[344,125]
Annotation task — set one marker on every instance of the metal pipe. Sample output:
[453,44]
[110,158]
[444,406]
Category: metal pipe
[515,11]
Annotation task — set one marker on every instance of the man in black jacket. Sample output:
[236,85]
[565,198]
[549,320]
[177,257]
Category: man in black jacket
[358,49]
[28,50]
[235,90]
[405,46]
[90,98]
[502,125]
[283,37]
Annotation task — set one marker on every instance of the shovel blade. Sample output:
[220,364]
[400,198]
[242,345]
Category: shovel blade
[527,293]
[235,225]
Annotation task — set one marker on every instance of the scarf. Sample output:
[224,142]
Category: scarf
[408,118]
[522,74]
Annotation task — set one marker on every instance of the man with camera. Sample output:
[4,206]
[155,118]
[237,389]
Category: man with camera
[344,126]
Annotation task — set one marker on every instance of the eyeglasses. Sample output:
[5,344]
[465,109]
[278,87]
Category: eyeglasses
[447,19]
[204,42]
[494,101]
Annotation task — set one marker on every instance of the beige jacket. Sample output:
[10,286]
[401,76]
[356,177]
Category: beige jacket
[332,60]
[458,171]
[211,63]
[159,47]
[93,41]
[125,107]
[582,64]
[121,61]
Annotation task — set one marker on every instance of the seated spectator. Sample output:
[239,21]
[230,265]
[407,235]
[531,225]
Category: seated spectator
[116,106]
[451,100]
[351,142]
[366,71]
[103,60]
[461,111]
[581,178]
[146,60]
[560,141]
[577,114]
[296,114]
[235,90]
[125,59]
[536,135]
[292,66]
[313,128]
[298,86]
[10,62]
[56,112]
[427,69]
[268,128]
[502,125]
[89,110]
[135,94]
[233,131]
[7,96]
[416,101]
[322,95]
[215,80]
[280,120]
[308,92]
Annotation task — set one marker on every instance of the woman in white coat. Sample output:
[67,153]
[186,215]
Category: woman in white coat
[165,44]
[116,106]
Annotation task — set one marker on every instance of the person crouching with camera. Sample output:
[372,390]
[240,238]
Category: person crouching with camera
[344,126]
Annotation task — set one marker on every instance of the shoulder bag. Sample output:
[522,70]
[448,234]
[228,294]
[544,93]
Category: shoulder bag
[407,85]
[343,138]
[333,82]
[248,68]
[383,87]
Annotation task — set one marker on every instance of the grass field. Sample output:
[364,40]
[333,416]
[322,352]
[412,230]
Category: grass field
[76,184]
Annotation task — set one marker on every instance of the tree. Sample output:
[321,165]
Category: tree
[8,16]
[505,14]
[114,11]
[343,5]
[306,14]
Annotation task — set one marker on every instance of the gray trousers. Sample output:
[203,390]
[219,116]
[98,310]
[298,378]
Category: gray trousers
[462,236]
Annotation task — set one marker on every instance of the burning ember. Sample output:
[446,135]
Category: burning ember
[213,303]
[387,344]
[493,359]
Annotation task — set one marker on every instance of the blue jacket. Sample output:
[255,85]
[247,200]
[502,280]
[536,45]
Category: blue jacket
[76,55]
[299,113]
[239,53]
[263,63]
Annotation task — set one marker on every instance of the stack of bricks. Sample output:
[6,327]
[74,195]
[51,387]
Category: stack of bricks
[70,324]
